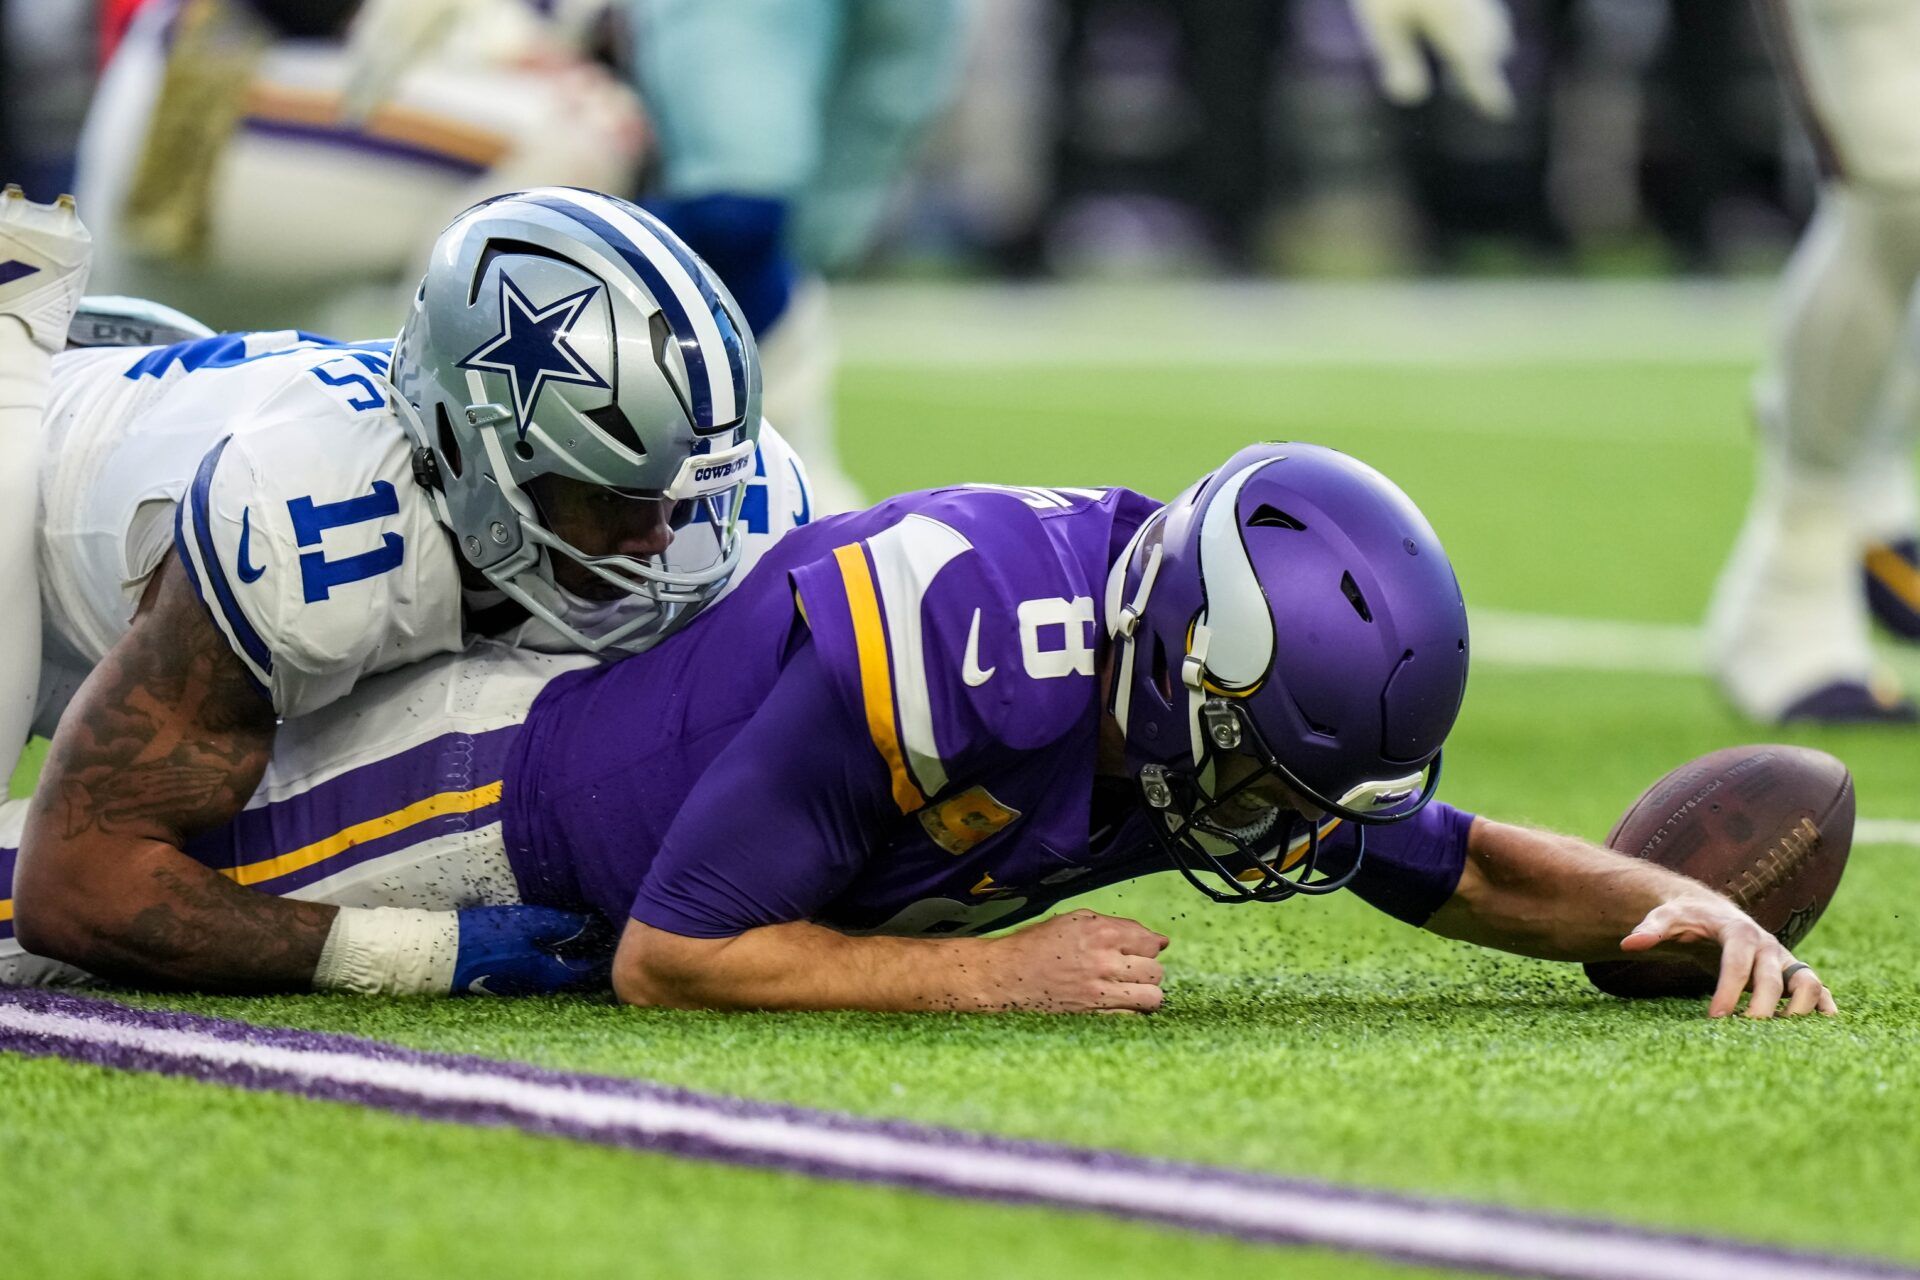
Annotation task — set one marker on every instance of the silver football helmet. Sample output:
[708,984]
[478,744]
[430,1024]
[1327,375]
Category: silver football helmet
[565,333]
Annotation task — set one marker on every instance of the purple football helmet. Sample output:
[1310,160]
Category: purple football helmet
[1288,632]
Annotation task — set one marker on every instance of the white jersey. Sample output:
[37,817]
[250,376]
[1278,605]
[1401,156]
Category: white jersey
[277,467]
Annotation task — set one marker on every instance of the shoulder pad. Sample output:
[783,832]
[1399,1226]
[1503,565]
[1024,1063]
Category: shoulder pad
[955,645]
[319,564]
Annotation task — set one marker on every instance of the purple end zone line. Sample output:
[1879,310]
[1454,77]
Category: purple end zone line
[638,1115]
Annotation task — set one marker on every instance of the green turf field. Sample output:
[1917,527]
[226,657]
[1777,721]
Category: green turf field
[1313,1038]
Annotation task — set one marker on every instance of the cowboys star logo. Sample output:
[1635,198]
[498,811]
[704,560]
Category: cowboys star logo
[532,348]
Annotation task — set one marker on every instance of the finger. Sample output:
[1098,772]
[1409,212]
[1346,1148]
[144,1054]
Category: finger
[1804,990]
[1130,997]
[1736,967]
[1669,922]
[1138,940]
[1825,1004]
[1650,932]
[1400,62]
[1486,87]
[1474,45]
[1766,986]
[1132,968]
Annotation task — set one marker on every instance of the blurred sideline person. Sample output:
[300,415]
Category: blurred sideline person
[266,162]
[1829,540]
[941,717]
[237,529]
[783,127]
[1839,400]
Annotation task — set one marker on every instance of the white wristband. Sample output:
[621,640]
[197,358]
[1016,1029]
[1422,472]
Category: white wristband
[390,951]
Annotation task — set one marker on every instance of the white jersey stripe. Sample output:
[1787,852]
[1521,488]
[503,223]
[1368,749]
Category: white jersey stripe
[906,557]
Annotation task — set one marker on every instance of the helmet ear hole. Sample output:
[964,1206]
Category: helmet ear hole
[444,437]
[1351,590]
[523,451]
[1162,677]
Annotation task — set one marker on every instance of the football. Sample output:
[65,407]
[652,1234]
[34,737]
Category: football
[1768,826]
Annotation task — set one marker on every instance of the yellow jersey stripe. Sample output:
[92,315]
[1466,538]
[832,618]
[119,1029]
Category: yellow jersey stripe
[876,677]
[1294,854]
[419,811]
[6,908]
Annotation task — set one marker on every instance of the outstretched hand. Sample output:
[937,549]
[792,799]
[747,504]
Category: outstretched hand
[1714,932]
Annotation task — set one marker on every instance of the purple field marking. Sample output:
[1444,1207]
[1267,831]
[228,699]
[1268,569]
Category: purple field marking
[641,1116]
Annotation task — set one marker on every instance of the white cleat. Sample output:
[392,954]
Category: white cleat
[45,251]
[1787,634]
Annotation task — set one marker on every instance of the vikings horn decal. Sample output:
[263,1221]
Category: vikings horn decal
[1238,620]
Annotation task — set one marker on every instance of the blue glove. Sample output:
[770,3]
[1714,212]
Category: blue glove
[531,951]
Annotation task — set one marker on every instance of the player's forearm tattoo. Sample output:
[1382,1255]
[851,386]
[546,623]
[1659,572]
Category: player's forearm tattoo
[260,944]
[166,731]
[166,738]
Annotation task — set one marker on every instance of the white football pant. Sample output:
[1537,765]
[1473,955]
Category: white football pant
[1838,400]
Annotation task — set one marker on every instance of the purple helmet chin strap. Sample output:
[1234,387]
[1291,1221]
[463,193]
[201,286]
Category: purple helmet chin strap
[1293,620]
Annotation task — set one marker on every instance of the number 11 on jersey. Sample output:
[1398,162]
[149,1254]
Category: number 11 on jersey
[319,575]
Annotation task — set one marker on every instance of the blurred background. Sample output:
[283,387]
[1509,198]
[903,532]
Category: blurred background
[1524,255]
[1246,137]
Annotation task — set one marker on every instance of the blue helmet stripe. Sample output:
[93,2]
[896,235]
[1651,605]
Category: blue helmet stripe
[729,332]
[649,274]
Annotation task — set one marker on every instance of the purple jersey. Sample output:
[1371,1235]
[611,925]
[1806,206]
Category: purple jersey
[890,726]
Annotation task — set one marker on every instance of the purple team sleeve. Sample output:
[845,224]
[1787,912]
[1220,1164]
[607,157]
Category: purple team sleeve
[1411,868]
[779,823]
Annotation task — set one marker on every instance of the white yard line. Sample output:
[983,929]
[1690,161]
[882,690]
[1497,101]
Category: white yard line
[1510,639]
[1515,639]
[634,1114]
[1462,324]
[1887,831]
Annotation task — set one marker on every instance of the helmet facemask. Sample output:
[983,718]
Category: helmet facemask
[651,596]
[1246,668]
[1203,821]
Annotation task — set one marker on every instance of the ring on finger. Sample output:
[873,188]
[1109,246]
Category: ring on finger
[1786,974]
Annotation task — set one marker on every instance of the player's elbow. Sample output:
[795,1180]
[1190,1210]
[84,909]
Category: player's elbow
[53,921]
[660,970]
[73,904]
[634,985]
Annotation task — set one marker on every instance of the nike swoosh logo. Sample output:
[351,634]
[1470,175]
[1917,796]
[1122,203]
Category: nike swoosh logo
[478,987]
[970,666]
[248,573]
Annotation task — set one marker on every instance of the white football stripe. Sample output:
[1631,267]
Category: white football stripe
[906,556]
[1238,617]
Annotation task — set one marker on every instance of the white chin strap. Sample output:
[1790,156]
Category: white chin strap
[1123,620]
[1193,675]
